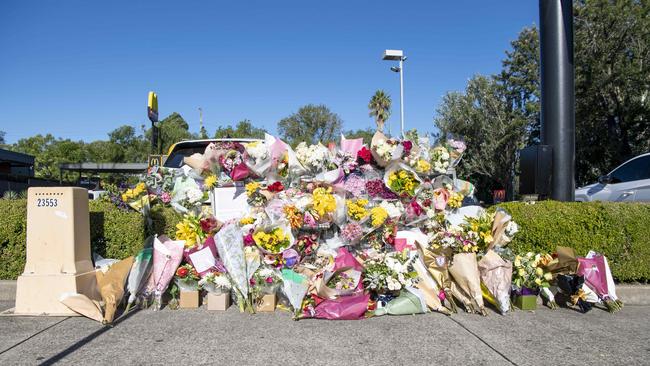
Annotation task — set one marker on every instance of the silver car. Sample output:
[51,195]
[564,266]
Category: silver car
[629,182]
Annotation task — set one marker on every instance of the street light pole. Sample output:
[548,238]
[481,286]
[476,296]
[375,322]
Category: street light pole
[401,94]
[398,55]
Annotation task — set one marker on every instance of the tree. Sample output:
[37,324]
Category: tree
[612,50]
[379,107]
[492,130]
[365,134]
[312,123]
[243,129]
[49,152]
[2,137]
[172,130]
[521,80]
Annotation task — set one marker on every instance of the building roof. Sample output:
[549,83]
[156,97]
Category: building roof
[105,167]
[16,158]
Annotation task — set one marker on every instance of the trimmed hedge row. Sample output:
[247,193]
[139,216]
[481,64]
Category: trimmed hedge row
[619,230]
[114,233]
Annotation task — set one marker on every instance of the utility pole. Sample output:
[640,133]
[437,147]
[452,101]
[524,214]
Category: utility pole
[558,99]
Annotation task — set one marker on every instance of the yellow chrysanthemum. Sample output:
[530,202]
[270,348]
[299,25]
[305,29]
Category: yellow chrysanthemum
[357,208]
[378,216]
[323,201]
[246,220]
[422,166]
[210,182]
[455,200]
[251,188]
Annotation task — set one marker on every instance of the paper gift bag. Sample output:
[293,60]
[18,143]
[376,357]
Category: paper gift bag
[218,302]
[266,303]
[189,300]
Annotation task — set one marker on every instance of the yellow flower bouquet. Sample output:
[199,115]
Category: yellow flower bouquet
[273,240]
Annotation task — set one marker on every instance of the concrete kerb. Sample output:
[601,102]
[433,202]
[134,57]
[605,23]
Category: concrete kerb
[631,294]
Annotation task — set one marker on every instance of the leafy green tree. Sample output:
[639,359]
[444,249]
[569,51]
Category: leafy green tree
[379,108]
[172,130]
[49,152]
[243,129]
[492,130]
[2,137]
[521,80]
[312,123]
[612,68]
[365,134]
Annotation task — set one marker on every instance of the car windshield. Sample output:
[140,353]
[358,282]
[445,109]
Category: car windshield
[186,149]
[175,159]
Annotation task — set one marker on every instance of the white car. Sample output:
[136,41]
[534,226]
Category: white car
[629,182]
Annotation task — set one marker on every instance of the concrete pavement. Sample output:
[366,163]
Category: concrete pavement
[201,337]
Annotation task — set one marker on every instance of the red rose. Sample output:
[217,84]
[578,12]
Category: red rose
[408,145]
[276,187]
[208,225]
[269,280]
[182,272]
[365,155]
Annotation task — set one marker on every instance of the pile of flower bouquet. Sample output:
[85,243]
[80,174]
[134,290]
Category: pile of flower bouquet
[347,231]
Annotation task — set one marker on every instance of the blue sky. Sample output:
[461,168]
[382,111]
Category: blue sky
[78,69]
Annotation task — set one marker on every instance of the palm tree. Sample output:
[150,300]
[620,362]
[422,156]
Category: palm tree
[379,108]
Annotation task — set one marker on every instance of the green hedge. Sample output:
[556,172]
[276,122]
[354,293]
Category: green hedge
[619,230]
[114,233]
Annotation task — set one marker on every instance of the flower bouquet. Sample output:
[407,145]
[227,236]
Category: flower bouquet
[400,179]
[218,288]
[186,281]
[315,158]
[496,280]
[466,277]
[238,263]
[232,161]
[390,272]
[357,209]
[385,150]
[440,159]
[273,240]
[436,261]
[598,277]
[264,286]
[258,157]
[167,255]
[456,147]
[528,277]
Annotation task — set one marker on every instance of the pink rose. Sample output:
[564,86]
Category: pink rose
[440,198]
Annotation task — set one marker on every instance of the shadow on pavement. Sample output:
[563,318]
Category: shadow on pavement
[82,342]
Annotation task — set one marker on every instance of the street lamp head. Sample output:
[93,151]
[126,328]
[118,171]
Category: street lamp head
[395,69]
[393,55]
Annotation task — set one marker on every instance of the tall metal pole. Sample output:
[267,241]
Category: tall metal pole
[401,95]
[558,100]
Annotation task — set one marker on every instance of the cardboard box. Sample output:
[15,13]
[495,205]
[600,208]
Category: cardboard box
[218,302]
[266,304]
[189,300]
[526,302]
